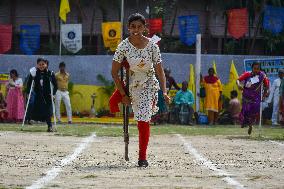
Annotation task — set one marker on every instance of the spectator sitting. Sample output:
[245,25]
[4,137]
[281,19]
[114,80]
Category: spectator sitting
[183,104]
[170,81]
[234,106]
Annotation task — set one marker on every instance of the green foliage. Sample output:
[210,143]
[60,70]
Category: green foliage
[71,90]
[108,85]
[174,45]
[116,131]
[102,112]
[273,43]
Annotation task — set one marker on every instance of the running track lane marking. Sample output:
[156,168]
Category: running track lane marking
[52,173]
[207,163]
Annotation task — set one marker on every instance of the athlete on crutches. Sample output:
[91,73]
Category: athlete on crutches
[45,87]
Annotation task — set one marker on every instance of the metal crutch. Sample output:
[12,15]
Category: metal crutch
[53,108]
[260,111]
[28,102]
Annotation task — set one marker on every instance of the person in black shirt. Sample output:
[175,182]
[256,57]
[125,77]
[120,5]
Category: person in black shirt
[42,110]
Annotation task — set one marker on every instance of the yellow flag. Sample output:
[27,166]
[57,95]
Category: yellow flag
[64,9]
[214,67]
[231,85]
[233,73]
[111,34]
[191,83]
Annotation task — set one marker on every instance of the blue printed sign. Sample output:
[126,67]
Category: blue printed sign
[188,29]
[273,19]
[29,38]
[269,66]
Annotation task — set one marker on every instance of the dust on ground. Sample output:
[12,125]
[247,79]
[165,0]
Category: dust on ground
[26,157]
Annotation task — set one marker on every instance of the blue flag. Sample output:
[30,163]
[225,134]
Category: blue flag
[273,19]
[188,29]
[29,38]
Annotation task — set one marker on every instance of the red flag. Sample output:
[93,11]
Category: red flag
[238,22]
[155,25]
[5,38]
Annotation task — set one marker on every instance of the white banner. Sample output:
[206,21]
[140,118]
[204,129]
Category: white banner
[71,37]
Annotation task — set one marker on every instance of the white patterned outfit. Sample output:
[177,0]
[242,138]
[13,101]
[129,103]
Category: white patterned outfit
[143,84]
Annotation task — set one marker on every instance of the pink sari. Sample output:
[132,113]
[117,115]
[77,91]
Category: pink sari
[15,104]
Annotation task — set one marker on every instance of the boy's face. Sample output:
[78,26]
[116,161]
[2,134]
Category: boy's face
[41,65]
[62,68]
[256,68]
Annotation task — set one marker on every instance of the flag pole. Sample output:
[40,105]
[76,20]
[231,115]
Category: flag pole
[198,71]
[121,19]
[60,37]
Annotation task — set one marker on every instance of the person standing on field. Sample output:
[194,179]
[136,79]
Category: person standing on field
[62,78]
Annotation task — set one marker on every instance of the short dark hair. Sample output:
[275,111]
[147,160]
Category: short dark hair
[136,17]
[234,93]
[40,59]
[211,69]
[13,71]
[47,62]
[255,63]
[62,64]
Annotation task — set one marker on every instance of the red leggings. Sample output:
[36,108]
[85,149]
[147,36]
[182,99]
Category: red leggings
[144,134]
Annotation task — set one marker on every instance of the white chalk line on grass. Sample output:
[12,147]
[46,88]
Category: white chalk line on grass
[207,163]
[278,143]
[52,173]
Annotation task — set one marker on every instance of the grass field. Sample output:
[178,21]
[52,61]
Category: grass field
[266,133]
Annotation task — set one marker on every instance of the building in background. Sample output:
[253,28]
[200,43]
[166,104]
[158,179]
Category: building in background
[91,13]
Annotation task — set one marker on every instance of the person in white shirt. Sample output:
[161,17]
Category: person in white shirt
[274,96]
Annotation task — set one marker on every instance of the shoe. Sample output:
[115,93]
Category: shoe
[69,122]
[143,163]
[59,122]
[50,130]
[250,129]
[275,124]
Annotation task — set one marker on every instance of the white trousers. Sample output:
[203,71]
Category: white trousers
[66,99]
[274,118]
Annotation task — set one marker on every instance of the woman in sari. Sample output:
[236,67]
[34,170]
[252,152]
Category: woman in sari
[213,91]
[15,99]
[252,82]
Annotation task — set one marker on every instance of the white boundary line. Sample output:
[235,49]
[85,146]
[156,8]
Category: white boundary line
[52,173]
[208,164]
[278,143]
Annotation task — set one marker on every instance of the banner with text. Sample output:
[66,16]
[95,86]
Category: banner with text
[5,38]
[188,29]
[71,37]
[29,38]
[111,34]
[269,66]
